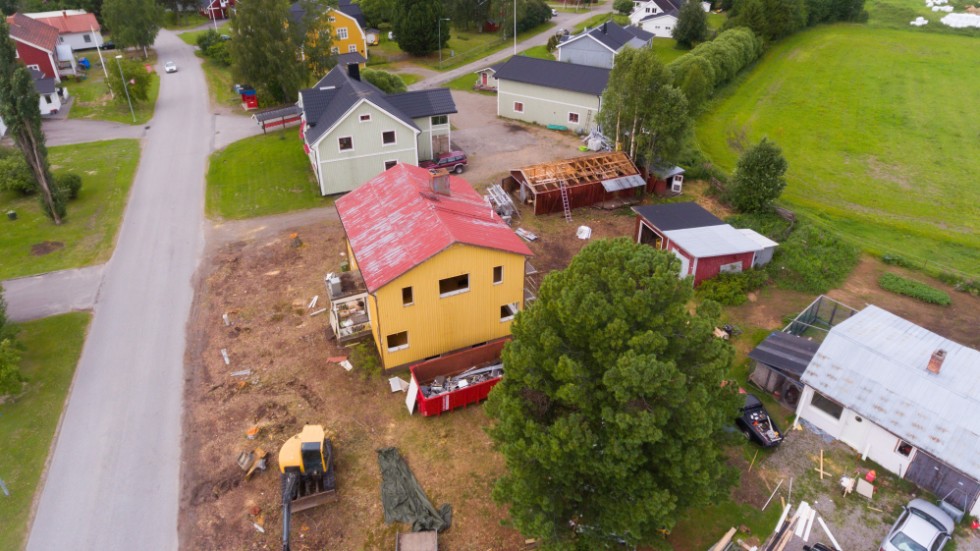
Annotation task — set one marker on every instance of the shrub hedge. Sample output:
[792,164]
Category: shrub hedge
[912,288]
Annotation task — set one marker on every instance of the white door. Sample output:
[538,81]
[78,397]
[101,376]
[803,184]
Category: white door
[685,263]
[854,430]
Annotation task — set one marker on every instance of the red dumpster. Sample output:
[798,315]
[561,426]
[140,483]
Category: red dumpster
[482,360]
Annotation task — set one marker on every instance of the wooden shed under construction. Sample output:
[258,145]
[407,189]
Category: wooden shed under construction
[579,182]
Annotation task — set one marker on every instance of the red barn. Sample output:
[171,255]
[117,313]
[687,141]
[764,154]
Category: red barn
[586,180]
[705,245]
[216,9]
[36,43]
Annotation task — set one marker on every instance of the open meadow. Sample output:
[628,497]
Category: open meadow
[879,132]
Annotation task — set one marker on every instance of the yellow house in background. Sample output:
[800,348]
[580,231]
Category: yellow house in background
[433,268]
[347,30]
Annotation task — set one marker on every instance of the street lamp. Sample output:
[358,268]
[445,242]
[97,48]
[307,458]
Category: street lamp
[126,88]
[515,27]
[439,24]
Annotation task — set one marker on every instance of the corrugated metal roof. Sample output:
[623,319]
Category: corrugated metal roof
[394,223]
[785,352]
[623,182]
[287,111]
[875,364]
[712,241]
[677,216]
[39,34]
[69,21]
[664,172]
[761,240]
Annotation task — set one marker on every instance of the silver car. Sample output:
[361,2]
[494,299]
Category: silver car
[922,526]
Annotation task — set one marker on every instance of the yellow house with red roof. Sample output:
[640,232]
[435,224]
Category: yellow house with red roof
[433,268]
[347,30]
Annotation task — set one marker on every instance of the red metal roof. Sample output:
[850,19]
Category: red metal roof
[72,23]
[25,29]
[394,222]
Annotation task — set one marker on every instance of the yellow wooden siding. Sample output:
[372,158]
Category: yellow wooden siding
[435,324]
[355,35]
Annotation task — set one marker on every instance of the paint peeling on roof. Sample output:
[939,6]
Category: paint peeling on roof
[394,222]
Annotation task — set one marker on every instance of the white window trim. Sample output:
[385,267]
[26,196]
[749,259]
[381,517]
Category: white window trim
[501,282]
[361,118]
[399,347]
[383,165]
[577,117]
[521,110]
[434,125]
[352,49]
[395,142]
[342,33]
[814,407]
[454,293]
[510,317]
[341,150]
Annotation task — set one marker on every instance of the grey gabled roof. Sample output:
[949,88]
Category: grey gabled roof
[42,85]
[554,74]
[353,10]
[874,363]
[677,216]
[350,57]
[424,103]
[326,102]
[785,352]
[613,36]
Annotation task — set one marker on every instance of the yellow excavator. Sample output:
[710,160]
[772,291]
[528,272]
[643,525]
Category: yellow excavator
[306,464]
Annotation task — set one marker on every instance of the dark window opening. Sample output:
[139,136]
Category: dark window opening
[407,299]
[825,405]
[397,341]
[498,274]
[454,285]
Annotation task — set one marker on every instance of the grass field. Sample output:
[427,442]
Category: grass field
[89,233]
[896,14]
[51,350]
[92,99]
[540,52]
[666,49]
[879,132]
[261,175]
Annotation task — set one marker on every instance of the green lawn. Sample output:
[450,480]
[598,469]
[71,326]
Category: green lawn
[716,20]
[540,52]
[190,37]
[261,175]
[409,78]
[220,84]
[89,233]
[92,100]
[187,21]
[880,139]
[27,426]
[896,14]
[666,49]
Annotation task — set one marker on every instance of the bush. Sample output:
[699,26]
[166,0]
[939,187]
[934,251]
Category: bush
[732,289]
[911,288]
[59,196]
[219,53]
[11,380]
[758,179]
[812,260]
[15,175]
[770,225]
[623,6]
[70,184]
[702,70]
[388,83]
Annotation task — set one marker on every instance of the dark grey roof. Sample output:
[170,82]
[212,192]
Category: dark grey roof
[554,74]
[669,6]
[42,85]
[615,37]
[424,103]
[677,216]
[785,352]
[353,10]
[350,57]
[287,111]
[337,92]
[639,33]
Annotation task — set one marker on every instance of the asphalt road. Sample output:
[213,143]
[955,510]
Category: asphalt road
[53,293]
[562,21]
[114,476]
[70,131]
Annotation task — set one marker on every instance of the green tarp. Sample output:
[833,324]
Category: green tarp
[403,498]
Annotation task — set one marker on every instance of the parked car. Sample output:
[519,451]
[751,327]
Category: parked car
[922,526]
[554,12]
[170,67]
[454,161]
[756,425]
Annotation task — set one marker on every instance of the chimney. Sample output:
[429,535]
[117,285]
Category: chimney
[604,27]
[439,180]
[64,14]
[354,71]
[936,361]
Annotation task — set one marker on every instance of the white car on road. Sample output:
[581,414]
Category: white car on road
[170,67]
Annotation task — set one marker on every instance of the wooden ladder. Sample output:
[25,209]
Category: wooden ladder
[564,199]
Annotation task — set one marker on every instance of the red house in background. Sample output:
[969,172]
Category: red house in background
[705,245]
[216,9]
[37,45]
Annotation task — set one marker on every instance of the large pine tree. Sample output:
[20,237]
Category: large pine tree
[19,109]
[612,411]
[417,28]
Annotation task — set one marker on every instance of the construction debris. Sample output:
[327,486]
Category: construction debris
[583,232]
[724,541]
[501,202]
[259,463]
[820,470]
[312,303]
[252,432]
[442,385]
[242,373]
[346,365]
[826,530]
[225,318]
[245,460]
[398,384]
[3,487]
[318,312]
[336,359]
[773,495]
[526,235]
[224,354]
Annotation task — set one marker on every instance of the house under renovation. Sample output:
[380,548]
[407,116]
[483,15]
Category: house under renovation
[579,182]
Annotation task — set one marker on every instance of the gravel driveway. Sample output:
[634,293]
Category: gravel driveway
[495,145]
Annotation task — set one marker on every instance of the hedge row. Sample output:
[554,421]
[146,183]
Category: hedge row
[701,71]
[912,288]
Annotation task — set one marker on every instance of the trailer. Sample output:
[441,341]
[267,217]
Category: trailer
[756,425]
[456,379]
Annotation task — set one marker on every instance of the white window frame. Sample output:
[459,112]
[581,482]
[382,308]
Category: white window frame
[392,161]
[366,117]
[341,149]
[34,66]
[352,49]
[514,309]
[519,103]
[342,33]
[576,115]
[457,291]
[432,121]
[394,140]
[400,346]
[494,275]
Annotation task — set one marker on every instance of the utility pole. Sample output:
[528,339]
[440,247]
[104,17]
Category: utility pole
[126,88]
[515,27]
[98,48]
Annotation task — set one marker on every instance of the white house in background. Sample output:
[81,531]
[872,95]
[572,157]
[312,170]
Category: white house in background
[598,47]
[903,397]
[657,17]
[49,100]
[3,129]
[76,28]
